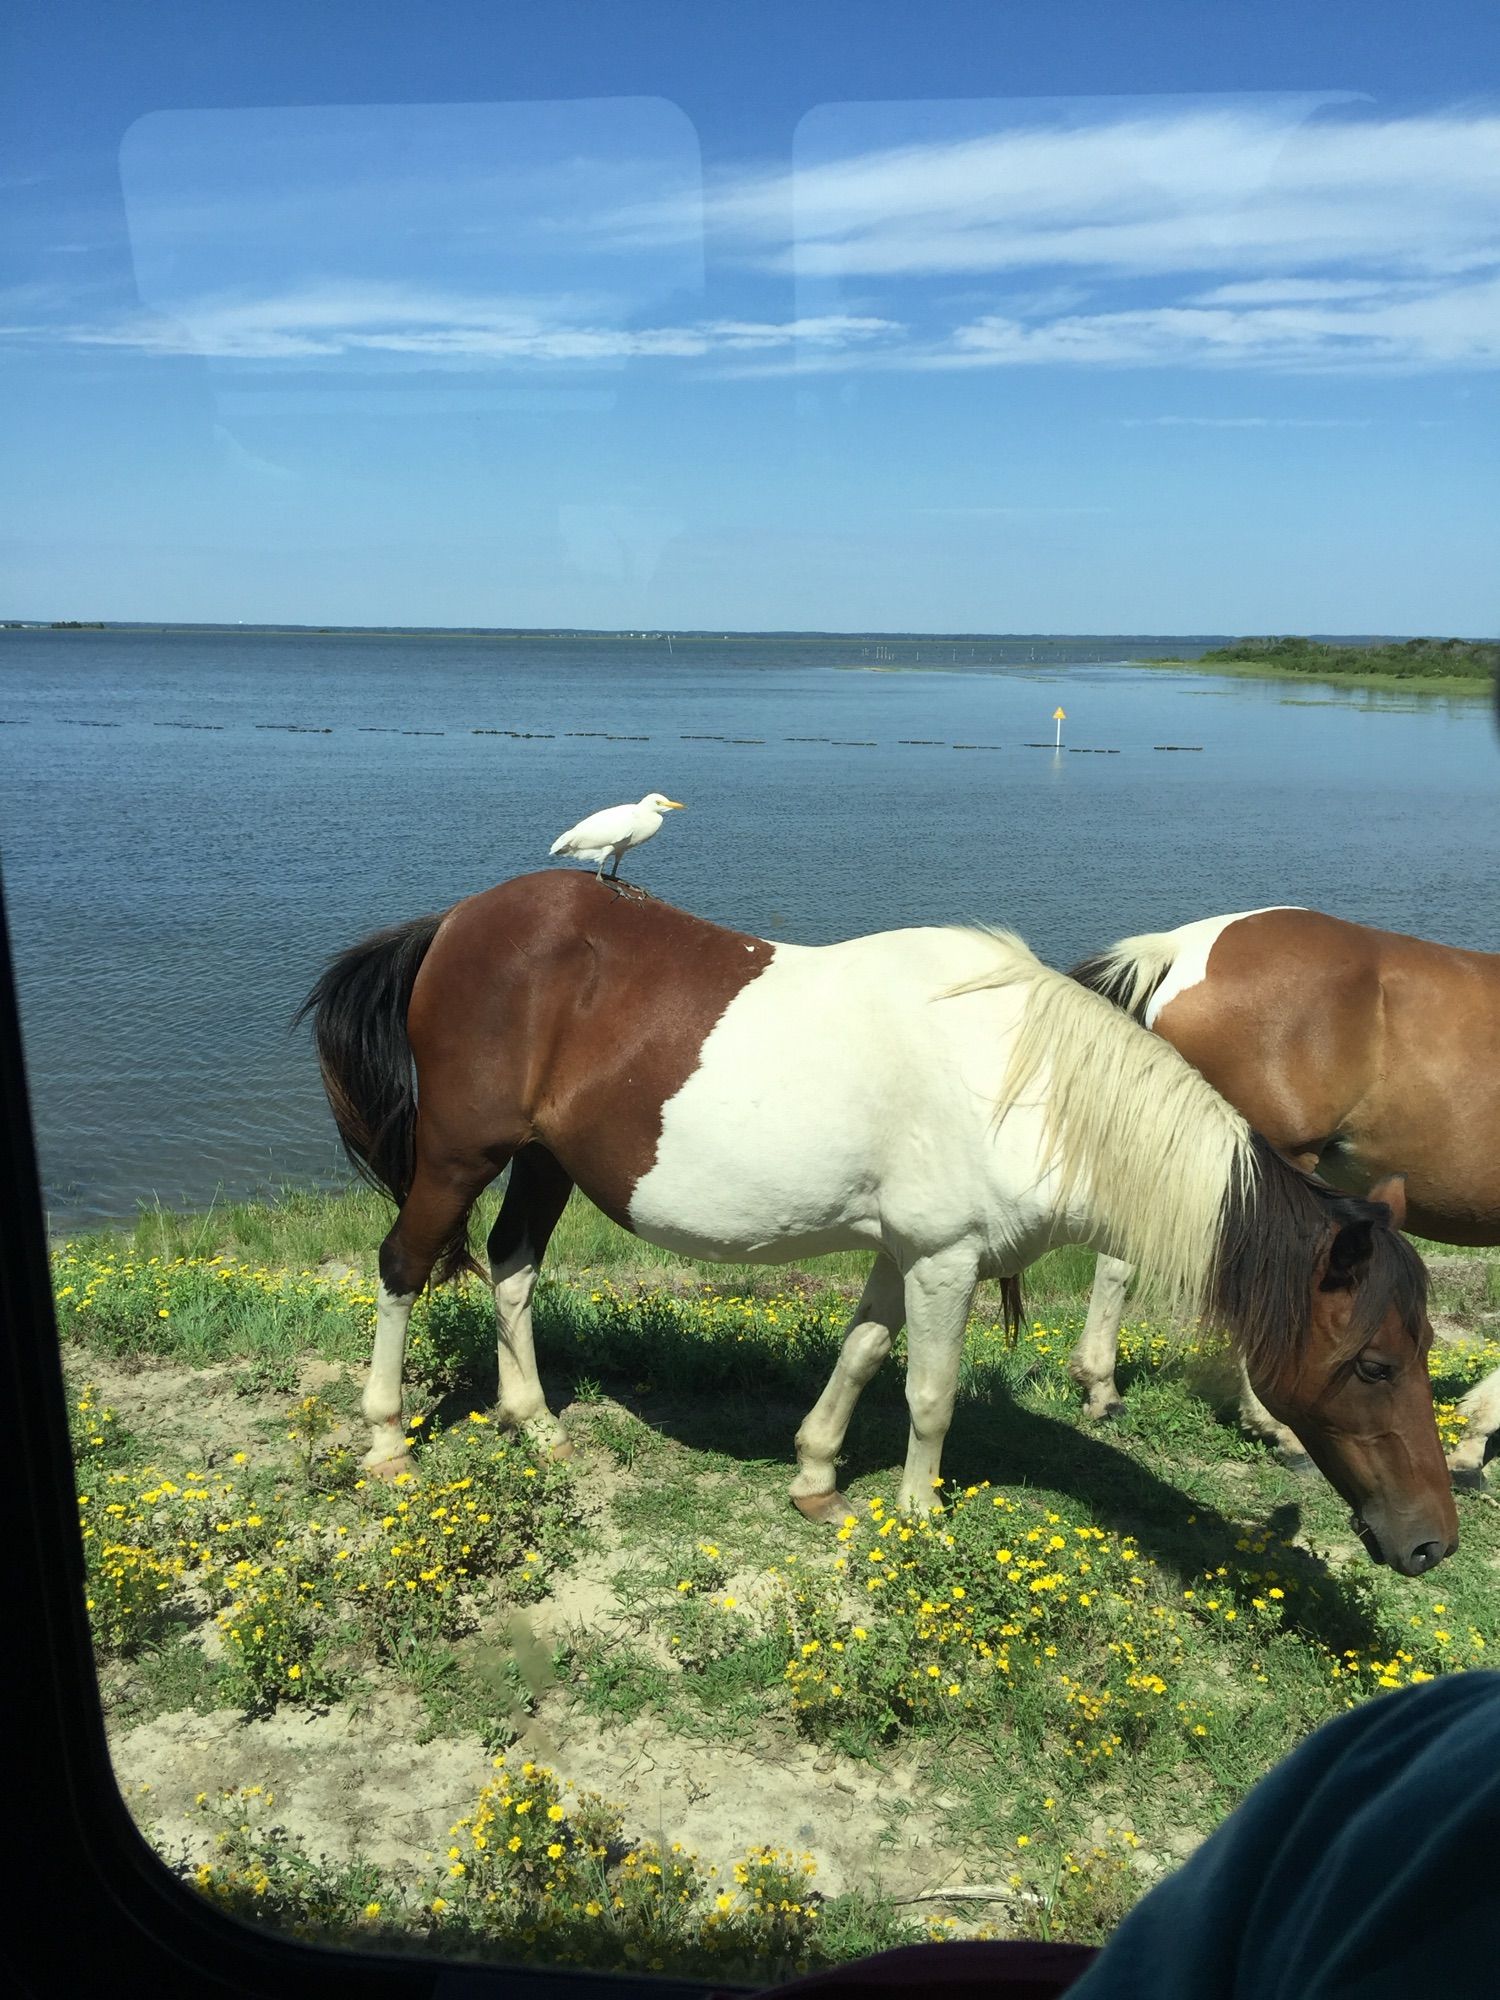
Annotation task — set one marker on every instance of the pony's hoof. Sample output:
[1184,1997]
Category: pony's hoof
[1466,1464]
[389,1469]
[1104,1409]
[545,1438]
[824,1507]
[1295,1459]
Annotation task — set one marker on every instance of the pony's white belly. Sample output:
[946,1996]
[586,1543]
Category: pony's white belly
[837,1104]
[766,1150]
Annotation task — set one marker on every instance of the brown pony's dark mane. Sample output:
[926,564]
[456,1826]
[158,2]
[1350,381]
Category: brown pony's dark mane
[1273,1236]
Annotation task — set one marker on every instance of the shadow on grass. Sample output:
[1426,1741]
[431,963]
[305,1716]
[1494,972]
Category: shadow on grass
[744,1401]
[998,1439]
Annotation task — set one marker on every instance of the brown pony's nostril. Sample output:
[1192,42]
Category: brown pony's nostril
[1427,1555]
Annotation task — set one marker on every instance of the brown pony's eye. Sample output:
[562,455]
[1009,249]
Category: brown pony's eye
[1370,1370]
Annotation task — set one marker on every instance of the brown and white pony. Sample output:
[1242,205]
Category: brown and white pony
[937,1096]
[1360,1053]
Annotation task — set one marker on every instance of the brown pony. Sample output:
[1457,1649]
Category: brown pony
[939,1097]
[1360,1053]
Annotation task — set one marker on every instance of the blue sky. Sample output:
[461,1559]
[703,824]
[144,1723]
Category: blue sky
[1078,317]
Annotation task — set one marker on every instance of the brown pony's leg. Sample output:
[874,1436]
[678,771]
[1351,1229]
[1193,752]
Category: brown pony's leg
[1092,1362]
[431,1218]
[534,1200]
[1480,1409]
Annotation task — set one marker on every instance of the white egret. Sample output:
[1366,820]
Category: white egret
[614,832]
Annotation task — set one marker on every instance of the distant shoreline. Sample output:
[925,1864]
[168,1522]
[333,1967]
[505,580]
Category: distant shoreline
[530,635]
[1198,656]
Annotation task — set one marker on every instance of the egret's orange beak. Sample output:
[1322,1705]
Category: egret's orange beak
[676,805]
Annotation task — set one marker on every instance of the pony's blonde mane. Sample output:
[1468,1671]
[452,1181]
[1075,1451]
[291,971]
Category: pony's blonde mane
[1134,1131]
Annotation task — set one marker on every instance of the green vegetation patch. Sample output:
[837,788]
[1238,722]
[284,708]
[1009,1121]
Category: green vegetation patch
[1406,660]
[299,1584]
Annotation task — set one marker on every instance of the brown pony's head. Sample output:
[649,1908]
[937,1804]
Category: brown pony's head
[1354,1387]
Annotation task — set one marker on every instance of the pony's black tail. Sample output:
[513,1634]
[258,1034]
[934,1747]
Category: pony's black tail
[358,1011]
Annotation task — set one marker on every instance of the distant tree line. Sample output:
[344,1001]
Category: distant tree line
[1406,659]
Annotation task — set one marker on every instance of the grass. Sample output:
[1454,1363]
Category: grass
[1415,666]
[1397,659]
[303,1228]
[302,1232]
[1085,1657]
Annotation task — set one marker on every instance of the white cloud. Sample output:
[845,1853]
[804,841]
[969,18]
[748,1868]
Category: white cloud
[1296,291]
[1246,423]
[1443,326]
[1248,239]
[380,320]
[1262,237]
[1265,190]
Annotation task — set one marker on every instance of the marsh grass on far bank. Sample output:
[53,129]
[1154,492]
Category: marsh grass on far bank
[1457,667]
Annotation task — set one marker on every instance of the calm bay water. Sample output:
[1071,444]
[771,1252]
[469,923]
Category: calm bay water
[173,890]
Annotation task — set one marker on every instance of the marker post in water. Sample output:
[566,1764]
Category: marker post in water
[1059,716]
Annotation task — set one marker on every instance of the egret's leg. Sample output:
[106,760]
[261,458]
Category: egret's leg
[938,1294]
[1092,1362]
[868,1341]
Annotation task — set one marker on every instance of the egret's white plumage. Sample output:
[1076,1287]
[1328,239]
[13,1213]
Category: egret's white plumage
[614,832]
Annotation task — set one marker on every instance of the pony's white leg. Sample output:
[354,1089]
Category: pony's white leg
[1481,1412]
[1092,1362]
[523,1402]
[433,1218]
[381,1402]
[867,1343]
[1258,1420]
[939,1291]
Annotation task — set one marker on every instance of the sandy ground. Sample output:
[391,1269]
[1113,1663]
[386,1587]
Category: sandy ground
[356,1780]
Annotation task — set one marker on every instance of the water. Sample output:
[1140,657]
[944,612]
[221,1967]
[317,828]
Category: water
[173,891]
